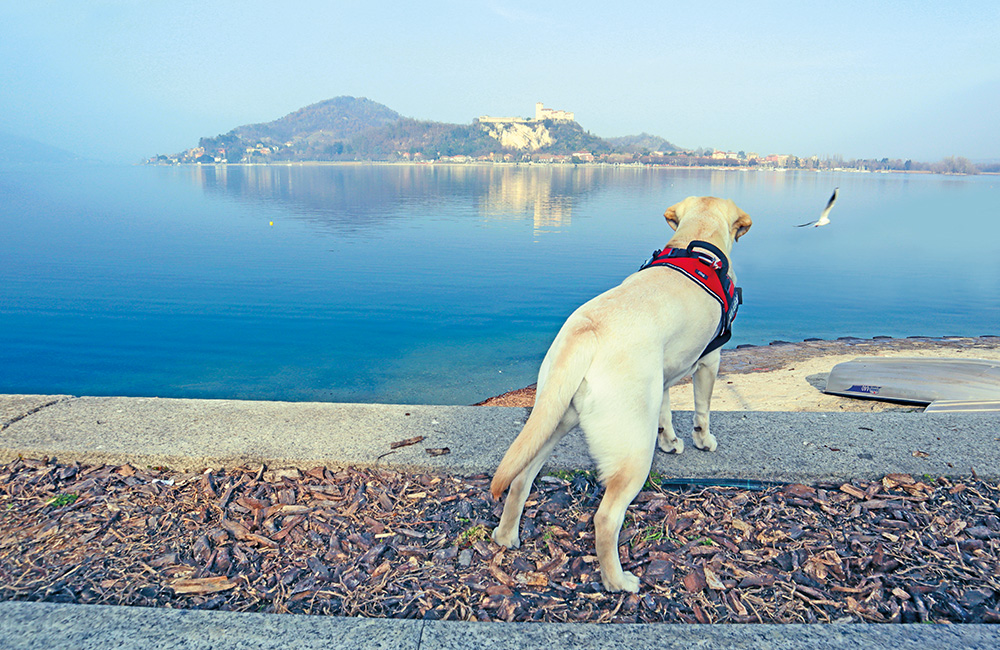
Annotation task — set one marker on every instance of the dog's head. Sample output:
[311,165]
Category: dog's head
[718,221]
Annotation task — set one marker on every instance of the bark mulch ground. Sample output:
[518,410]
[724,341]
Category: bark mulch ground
[386,544]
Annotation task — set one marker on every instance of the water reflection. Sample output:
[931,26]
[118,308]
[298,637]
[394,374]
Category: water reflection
[545,195]
[343,198]
[352,198]
[367,199]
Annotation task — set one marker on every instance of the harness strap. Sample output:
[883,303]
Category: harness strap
[710,271]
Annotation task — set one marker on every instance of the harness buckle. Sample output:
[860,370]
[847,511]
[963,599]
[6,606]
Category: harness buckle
[709,254]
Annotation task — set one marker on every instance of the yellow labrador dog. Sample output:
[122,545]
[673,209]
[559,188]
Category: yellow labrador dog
[609,369]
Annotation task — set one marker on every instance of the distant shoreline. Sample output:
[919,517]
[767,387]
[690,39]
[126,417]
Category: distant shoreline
[479,163]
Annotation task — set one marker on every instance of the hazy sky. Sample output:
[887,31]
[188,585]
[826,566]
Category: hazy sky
[122,80]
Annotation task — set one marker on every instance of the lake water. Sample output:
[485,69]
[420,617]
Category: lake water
[438,284]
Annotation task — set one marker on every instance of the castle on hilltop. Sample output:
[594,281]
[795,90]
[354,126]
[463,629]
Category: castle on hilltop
[541,114]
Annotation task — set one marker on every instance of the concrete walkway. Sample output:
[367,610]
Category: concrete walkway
[196,434]
[46,626]
[191,435]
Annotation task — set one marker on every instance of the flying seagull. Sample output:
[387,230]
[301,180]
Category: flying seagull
[824,217]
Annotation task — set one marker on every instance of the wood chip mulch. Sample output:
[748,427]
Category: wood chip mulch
[386,544]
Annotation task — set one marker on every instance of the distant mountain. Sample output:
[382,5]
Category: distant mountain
[321,131]
[642,143]
[352,128]
[339,118]
[18,150]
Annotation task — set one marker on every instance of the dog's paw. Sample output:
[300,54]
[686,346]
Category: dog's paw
[705,441]
[629,582]
[674,446]
[508,541]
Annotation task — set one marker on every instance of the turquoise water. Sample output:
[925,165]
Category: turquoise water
[432,284]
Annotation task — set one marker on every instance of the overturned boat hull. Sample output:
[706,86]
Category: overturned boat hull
[916,380]
[964,406]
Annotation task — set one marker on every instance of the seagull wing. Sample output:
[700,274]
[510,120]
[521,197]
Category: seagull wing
[833,199]
[824,217]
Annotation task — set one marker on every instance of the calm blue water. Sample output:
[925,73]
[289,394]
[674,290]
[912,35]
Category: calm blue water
[418,284]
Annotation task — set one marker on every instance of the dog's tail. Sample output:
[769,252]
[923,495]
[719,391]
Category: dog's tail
[571,362]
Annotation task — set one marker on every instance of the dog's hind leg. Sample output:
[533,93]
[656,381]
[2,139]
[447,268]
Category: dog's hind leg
[704,382]
[669,442]
[620,489]
[621,435]
[506,532]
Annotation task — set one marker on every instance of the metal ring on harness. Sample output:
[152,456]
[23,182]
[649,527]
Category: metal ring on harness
[711,248]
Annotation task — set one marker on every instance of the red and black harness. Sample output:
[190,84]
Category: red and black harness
[709,269]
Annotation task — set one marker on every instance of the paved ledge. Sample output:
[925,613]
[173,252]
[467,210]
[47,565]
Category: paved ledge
[46,625]
[191,435]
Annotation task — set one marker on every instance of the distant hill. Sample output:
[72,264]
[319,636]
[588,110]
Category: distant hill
[642,143]
[353,128]
[17,150]
[340,118]
[321,131]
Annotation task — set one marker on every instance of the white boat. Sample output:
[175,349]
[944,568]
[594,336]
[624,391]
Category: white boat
[964,406]
[951,384]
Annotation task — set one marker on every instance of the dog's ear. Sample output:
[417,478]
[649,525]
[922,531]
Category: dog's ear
[671,214]
[741,225]
[674,212]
